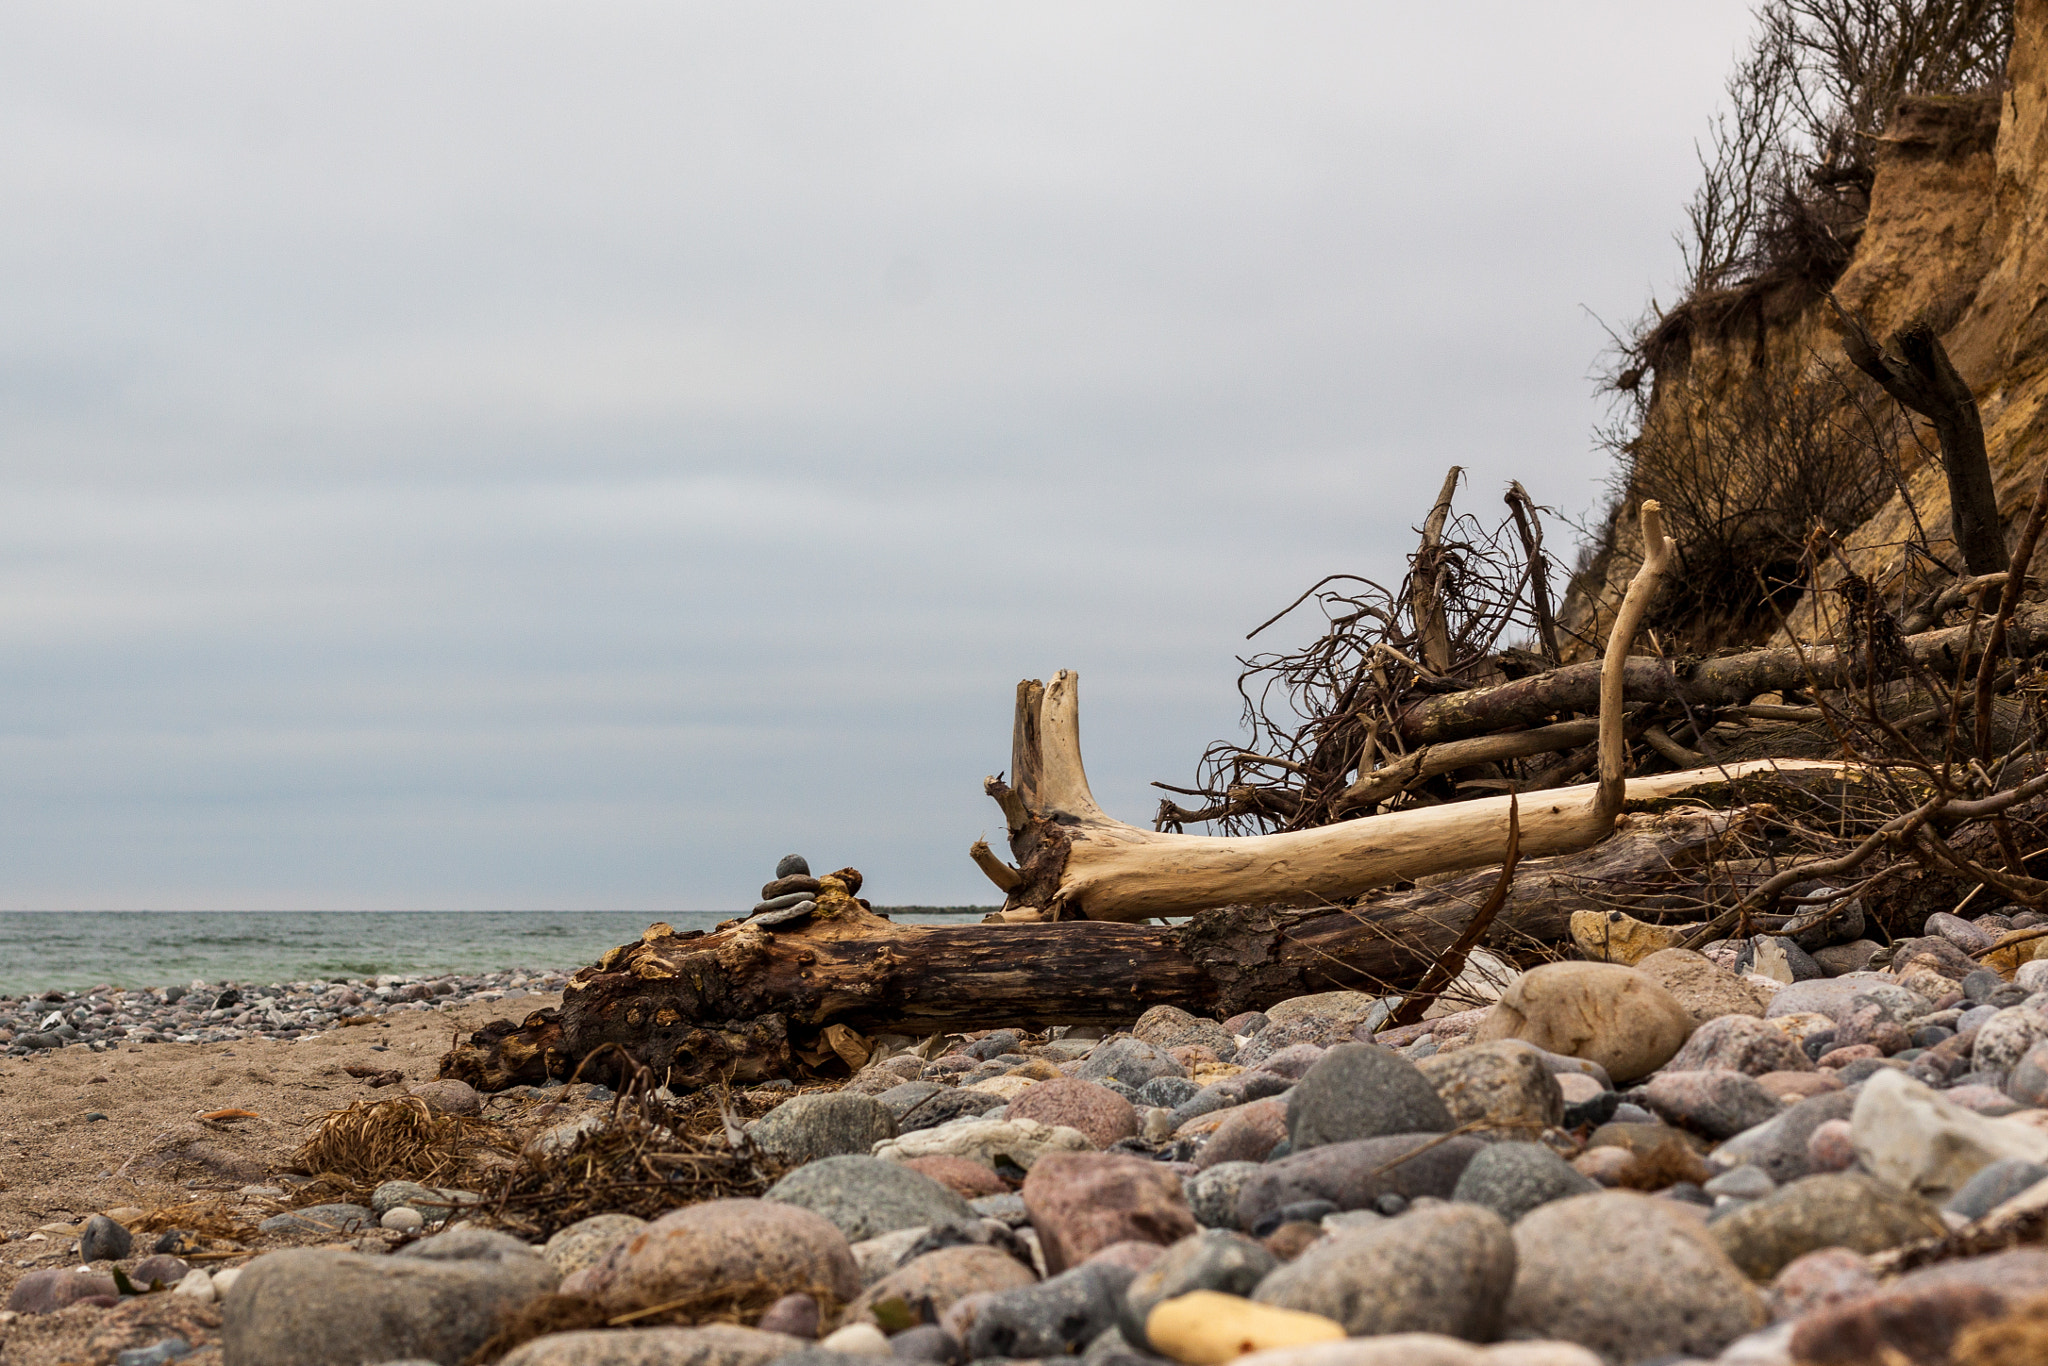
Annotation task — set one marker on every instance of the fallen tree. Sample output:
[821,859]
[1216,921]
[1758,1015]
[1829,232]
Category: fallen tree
[747,1002]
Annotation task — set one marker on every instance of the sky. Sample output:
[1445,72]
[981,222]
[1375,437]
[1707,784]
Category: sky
[560,456]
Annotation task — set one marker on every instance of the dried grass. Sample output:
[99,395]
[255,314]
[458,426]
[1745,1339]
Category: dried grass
[353,1151]
[208,1219]
[2018,1339]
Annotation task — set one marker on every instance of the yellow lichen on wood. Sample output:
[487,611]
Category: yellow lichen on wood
[1207,1328]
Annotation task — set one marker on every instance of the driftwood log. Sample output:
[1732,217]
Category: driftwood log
[747,1002]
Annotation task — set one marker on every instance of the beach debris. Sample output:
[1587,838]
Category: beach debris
[354,1150]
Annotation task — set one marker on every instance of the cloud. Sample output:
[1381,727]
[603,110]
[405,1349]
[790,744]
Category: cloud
[532,455]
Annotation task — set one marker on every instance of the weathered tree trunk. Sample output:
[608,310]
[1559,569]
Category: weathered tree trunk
[1724,682]
[739,1003]
[1917,372]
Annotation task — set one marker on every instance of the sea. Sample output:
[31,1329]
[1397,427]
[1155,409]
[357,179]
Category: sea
[74,950]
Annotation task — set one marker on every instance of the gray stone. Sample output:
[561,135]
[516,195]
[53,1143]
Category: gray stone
[1008,1208]
[1130,1061]
[1838,922]
[1827,996]
[337,1218]
[1741,1183]
[104,1240]
[710,1344]
[1778,1147]
[792,865]
[1837,960]
[1212,1194]
[823,1124]
[901,1098]
[1171,1027]
[1773,955]
[1362,1091]
[1441,1269]
[1214,1259]
[1513,1178]
[946,1106]
[1717,1104]
[1992,1186]
[315,1307]
[1960,932]
[865,1196]
[1845,1209]
[1630,1277]
[1169,1093]
[1054,1318]
[1354,1175]
[435,1202]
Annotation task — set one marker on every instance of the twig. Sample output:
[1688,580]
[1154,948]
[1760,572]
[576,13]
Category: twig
[1452,961]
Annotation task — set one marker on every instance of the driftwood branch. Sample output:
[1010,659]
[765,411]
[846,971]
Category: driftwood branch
[1731,680]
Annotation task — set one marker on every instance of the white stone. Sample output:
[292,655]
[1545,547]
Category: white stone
[1906,1135]
[2033,975]
[858,1339]
[403,1218]
[224,1280]
[1770,1346]
[196,1284]
[878,1256]
[1022,1141]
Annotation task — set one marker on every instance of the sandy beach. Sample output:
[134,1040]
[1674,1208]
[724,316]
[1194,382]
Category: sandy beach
[59,1167]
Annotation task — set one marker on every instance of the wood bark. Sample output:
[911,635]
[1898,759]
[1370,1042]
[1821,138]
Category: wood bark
[1917,372]
[745,1002]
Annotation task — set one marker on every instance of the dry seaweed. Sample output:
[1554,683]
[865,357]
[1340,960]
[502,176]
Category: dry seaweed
[647,1157]
[353,1151]
[205,1218]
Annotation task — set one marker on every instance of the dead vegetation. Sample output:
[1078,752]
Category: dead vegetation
[648,1156]
[1787,168]
[353,1151]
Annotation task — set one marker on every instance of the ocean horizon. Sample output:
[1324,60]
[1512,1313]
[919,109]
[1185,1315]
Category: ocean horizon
[74,950]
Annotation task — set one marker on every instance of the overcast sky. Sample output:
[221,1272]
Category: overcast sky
[569,455]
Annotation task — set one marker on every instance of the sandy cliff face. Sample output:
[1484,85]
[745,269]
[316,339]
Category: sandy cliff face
[1957,233]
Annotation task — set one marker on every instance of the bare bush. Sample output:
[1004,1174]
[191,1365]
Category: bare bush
[1745,475]
[1786,169]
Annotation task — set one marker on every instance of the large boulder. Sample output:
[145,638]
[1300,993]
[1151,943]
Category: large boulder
[1630,1277]
[823,1124]
[1443,1269]
[1845,1210]
[1615,1016]
[1359,1090]
[769,1247]
[1503,1087]
[1906,1135]
[438,1299]
[1081,1203]
[865,1196]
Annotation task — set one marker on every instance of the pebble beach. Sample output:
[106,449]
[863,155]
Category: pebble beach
[1678,1160]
